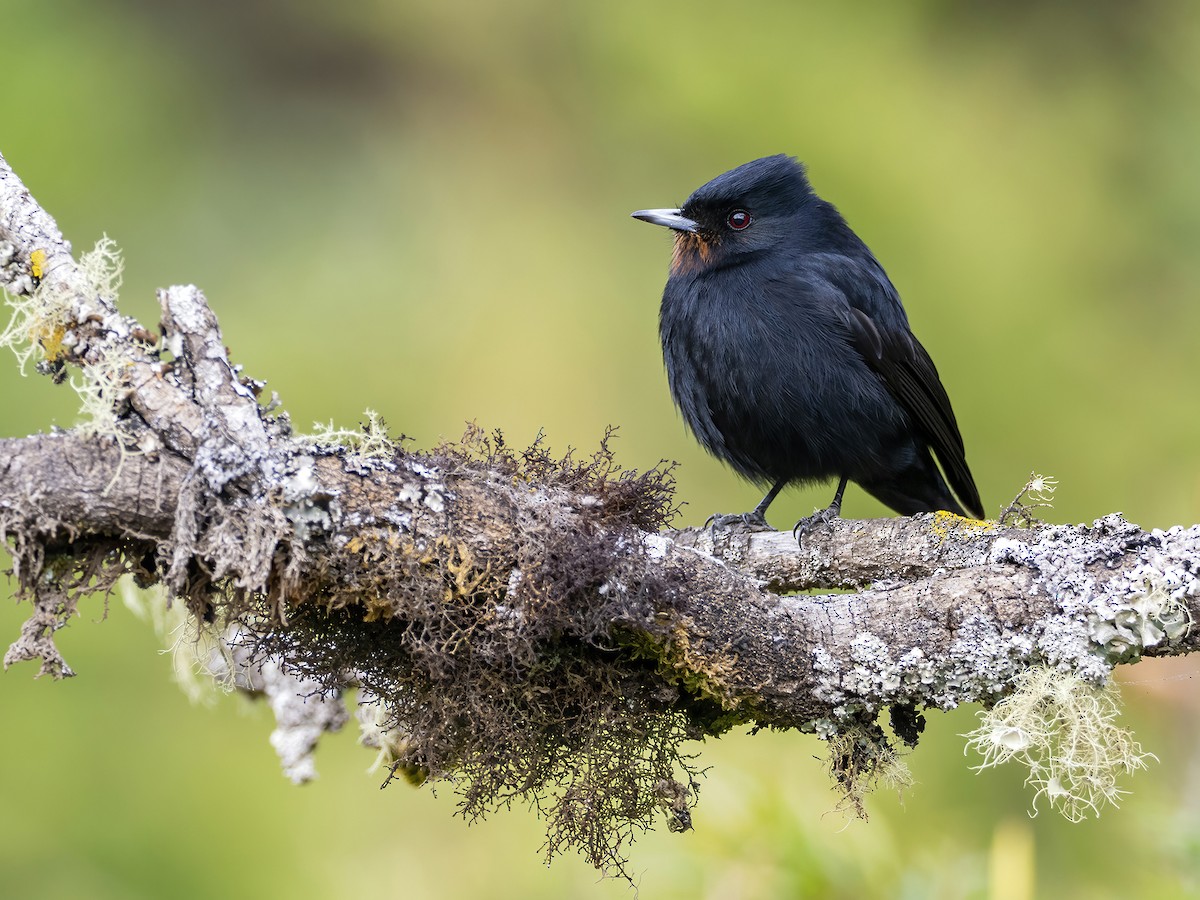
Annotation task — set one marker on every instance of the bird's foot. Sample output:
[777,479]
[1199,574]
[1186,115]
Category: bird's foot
[749,521]
[822,518]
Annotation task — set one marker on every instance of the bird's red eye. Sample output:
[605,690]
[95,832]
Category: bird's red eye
[739,220]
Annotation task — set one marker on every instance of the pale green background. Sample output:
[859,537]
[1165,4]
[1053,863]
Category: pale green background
[423,209]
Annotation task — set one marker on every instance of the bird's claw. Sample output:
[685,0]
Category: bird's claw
[822,518]
[749,521]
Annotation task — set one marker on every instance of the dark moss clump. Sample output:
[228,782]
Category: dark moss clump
[594,748]
[498,669]
[621,498]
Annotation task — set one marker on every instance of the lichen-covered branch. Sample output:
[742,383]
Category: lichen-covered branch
[983,603]
[517,624]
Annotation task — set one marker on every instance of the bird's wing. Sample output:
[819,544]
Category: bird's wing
[879,331]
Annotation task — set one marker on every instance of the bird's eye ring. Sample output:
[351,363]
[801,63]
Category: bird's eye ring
[739,220]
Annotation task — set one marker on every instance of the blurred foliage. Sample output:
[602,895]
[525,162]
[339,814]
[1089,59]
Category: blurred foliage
[423,208]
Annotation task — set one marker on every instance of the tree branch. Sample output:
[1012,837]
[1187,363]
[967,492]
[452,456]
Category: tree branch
[515,623]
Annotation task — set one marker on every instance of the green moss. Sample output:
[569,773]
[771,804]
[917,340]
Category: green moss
[705,693]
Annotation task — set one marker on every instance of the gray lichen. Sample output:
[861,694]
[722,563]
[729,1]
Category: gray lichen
[303,501]
[1105,608]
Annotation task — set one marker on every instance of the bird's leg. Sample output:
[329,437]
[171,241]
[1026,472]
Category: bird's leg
[822,517]
[755,520]
[759,513]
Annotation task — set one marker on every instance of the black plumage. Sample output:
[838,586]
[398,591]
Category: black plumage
[790,355]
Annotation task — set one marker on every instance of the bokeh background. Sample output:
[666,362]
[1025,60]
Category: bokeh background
[422,208]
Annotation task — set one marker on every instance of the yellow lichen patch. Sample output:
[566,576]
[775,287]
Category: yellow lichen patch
[51,341]
[945,524]
[37,263]
[468,576]
[379,544]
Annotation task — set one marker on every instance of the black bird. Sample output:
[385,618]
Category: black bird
[790,356]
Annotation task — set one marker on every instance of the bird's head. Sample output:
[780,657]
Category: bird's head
[747,210]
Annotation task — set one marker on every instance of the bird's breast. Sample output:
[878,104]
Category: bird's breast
[768,381]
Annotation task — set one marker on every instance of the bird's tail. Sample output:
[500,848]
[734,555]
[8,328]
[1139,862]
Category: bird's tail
[916,489]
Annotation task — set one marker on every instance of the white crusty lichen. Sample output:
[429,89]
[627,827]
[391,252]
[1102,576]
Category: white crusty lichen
[1153,613]
[1059,717]
[426,489]
[1144,603]
[1103,617]
[304,709]
[980,662]
[209,659]
[303,500]
[1063,728]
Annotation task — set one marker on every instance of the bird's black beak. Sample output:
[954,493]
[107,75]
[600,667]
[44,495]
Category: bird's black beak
[668,218]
